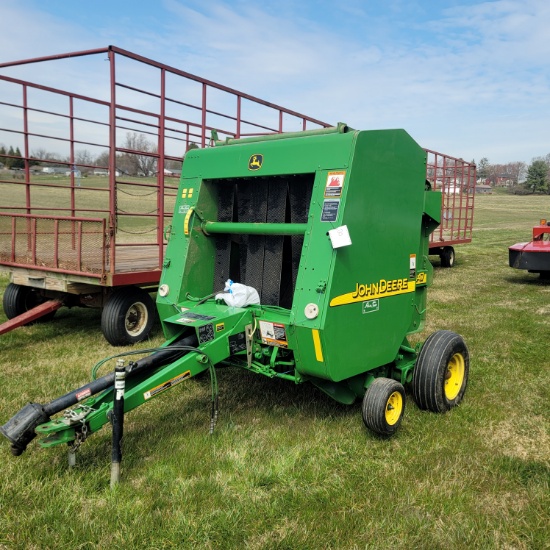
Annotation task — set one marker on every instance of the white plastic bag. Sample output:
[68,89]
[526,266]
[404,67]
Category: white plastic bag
[238,295]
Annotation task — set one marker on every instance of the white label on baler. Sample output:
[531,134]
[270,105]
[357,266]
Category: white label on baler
[339,237]
[412,266]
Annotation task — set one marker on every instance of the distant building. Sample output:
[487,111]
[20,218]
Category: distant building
[481,189]
[53,170]
[172,173]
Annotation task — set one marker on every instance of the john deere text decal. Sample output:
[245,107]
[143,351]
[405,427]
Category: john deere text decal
[371,291]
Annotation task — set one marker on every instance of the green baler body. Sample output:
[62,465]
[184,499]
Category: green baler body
[369,295]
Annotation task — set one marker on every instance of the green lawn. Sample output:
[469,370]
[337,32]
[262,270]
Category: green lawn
[136,201]
[288,468]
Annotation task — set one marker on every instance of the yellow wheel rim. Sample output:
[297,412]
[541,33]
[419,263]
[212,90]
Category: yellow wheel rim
[454,376]
[394,408]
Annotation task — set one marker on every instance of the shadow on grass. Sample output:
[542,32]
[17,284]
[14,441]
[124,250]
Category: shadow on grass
[529,279]
[68,323]
[244,398]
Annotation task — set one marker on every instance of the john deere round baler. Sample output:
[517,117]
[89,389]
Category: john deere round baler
[331,229]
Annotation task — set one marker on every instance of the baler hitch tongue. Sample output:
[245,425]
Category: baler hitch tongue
[20,429]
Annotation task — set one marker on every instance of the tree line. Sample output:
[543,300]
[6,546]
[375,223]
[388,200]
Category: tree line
[518,176]
[141,163]
[12,157]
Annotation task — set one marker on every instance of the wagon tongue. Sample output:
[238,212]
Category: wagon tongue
[31,315]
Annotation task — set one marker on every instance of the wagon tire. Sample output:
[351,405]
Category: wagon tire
[128,316]
[441,372]
[19,299]
[384,406]
[447,256]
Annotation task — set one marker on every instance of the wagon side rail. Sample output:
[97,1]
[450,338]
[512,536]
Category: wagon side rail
[61,244]
[456,179]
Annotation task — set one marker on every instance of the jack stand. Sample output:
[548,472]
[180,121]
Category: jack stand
[72,458]
[118,422]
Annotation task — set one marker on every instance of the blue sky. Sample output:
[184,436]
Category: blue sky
[467,78]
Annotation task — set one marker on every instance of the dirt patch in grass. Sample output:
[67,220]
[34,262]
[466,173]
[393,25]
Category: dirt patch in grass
[530,441]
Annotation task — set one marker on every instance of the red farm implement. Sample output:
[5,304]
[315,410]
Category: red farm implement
[533,256]
[456,179]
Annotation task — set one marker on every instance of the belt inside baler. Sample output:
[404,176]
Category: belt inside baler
[269,215]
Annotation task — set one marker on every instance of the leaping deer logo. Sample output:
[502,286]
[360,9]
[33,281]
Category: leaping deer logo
[255,162]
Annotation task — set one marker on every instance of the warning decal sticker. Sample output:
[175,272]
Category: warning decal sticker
[273,334]
[206,333]
[189,317]
[167,385]
[83,394]
[335,183]
[237,342]
[412,266]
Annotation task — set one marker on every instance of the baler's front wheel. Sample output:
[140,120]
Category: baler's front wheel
[128,316]
[384,406]
[441,372]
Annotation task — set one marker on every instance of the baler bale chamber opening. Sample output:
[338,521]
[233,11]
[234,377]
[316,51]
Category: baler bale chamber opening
[332,229]
[268,263]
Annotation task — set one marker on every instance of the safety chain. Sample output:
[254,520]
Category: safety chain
[81,436]
[71,417]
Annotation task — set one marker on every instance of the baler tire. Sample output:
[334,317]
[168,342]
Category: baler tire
[19,299]
[441,372]
[128,316]
[384,406]
[447,256]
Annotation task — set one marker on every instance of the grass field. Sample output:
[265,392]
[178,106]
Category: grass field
[288,468]
[136,201]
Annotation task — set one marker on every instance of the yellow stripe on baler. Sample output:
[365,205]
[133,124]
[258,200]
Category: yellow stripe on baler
[186,221]
[317,345]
